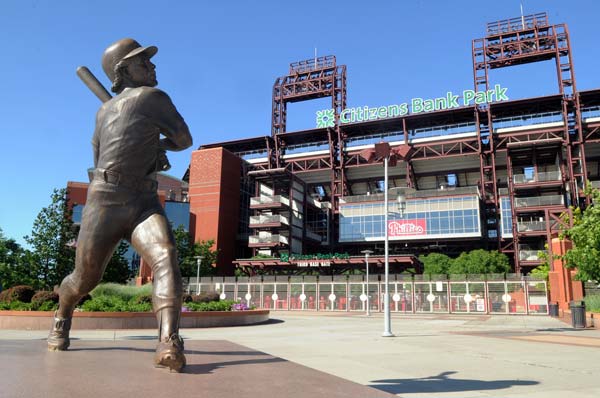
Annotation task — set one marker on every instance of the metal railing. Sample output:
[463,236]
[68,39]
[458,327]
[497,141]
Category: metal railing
[268,219]
[254,239]
[539,177]
[517,24]
[549,200]
[527,120]
[307,65]
[530,255]
[526,226]
[414,194]
[265,199]
[478,294]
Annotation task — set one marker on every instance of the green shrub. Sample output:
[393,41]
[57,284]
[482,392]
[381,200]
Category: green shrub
[19,306]
[44,306]
[134,306]
[224,305]
[104,303]
[142,299]
[117,304]
[592,303]
[124,292]
[83,300]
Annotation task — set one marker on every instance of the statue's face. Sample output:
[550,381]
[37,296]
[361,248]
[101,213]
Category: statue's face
[141,71]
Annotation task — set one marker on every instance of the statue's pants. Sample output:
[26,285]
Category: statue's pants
[114,212]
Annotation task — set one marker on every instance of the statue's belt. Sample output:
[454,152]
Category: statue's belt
[124,180]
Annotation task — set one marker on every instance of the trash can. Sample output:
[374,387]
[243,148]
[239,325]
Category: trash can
[578,314]
[553,309]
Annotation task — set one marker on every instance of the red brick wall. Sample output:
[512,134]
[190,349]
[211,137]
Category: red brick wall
[77,193]
[563,286]
[214,194]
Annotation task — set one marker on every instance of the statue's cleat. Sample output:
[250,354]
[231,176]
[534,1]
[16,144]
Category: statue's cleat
[58,339]
[169,354]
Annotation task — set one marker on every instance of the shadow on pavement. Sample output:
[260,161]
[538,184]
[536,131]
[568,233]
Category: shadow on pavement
[441,383]
[139,338]
[211,367]
[71,349]
[270,321]
[565,329]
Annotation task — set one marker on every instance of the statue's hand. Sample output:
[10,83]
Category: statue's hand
[162,162]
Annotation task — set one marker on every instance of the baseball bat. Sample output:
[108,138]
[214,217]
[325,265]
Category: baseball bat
[88,78]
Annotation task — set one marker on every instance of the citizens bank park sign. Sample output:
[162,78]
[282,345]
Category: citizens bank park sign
[326,117]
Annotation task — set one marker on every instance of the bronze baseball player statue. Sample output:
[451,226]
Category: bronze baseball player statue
[122,201]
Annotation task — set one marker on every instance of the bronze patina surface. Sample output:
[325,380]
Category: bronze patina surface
[122,201]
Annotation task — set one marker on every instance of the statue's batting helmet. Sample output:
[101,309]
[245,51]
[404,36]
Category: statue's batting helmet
[120,50]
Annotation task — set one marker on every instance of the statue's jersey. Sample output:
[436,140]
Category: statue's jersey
[128,128]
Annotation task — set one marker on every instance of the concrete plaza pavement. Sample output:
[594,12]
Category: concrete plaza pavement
[430,355]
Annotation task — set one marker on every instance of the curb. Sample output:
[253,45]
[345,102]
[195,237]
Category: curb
[42,320]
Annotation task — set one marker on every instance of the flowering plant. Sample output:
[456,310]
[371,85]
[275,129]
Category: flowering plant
[239,307]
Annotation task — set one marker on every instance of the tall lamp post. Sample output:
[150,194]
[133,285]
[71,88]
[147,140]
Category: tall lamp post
[367,253]
[383,150]
[198,262]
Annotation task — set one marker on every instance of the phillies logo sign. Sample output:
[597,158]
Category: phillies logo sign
[407,227]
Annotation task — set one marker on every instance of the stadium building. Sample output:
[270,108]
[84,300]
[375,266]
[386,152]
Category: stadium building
[465,171]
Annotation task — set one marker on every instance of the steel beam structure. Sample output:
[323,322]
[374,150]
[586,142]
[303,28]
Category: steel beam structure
[514,42]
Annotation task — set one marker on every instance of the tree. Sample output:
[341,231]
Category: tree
[117,269]
[187,250]
[585,235]
[436,264]
[14,264]
[52,241]
[480,262]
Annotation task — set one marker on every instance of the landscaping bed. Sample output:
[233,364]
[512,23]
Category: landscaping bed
[112,306]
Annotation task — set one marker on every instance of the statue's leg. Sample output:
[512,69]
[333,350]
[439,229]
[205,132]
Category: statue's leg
[99,234]
[154,241]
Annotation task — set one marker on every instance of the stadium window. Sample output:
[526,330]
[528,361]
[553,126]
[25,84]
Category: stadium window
[451,180]
[529,173]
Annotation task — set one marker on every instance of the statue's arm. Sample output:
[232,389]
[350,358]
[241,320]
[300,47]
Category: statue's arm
[176,133]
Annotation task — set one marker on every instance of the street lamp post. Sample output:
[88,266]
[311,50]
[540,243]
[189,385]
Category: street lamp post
[383,151]
[387,324]
[198,261]
[367,253]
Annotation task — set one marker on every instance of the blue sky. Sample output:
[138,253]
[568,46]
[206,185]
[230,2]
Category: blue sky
[218,62]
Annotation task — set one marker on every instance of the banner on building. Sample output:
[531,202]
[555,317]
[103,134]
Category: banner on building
[407,227]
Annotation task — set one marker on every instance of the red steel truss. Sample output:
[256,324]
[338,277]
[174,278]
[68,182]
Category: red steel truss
[514,42]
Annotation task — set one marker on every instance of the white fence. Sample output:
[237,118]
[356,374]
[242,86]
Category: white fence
[474,295]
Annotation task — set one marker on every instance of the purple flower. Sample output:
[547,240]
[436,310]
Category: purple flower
[185,309]
[239,307]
